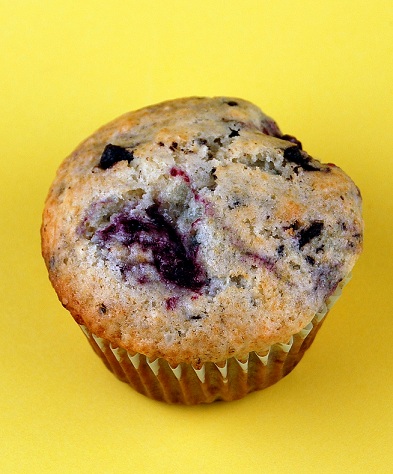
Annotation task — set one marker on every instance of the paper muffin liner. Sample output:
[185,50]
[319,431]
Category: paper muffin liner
[230,380]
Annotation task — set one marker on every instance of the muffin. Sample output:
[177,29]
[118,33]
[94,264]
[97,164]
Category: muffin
[198,247]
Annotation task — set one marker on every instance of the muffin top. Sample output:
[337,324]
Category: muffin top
[195,230]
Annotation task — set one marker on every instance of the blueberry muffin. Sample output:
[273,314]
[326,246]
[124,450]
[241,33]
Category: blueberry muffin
[198,247]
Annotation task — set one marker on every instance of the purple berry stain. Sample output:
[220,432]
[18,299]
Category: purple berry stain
[178,172]
[175,262]
[269,127]
[171,303]
[261,260]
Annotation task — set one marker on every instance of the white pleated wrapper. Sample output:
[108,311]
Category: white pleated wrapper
[230,380]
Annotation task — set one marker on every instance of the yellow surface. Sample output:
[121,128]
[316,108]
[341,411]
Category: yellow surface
[324,70]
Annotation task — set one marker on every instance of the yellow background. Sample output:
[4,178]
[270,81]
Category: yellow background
[324,70]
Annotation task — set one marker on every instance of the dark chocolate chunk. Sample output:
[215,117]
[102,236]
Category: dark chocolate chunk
[234,204]
[196,317]
[292,139]
[232,103]
[310,260]
[234,133]
[295,155]
[309,233]
[113,154]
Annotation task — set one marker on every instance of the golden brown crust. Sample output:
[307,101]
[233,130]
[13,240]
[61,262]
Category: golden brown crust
[262,231]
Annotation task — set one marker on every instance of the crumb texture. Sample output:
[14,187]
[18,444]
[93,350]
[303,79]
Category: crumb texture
[194,230]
